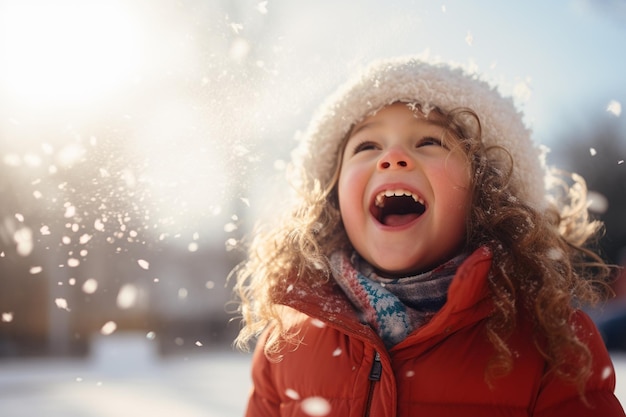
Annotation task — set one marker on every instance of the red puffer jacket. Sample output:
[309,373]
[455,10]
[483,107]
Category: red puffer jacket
[342,368]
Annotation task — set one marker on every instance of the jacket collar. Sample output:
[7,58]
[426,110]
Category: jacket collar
[322,299]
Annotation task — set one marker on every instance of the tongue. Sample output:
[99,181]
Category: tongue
[399,219]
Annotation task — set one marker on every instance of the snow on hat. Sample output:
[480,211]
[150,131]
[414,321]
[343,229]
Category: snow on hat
[410,79]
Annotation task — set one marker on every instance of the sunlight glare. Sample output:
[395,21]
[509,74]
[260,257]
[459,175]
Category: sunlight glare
[66,52]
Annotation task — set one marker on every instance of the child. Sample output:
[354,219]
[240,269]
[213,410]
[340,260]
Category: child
[423,270]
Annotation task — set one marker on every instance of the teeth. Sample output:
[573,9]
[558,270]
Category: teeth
[380,197]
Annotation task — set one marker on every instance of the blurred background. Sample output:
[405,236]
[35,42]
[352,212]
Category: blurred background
[140,139]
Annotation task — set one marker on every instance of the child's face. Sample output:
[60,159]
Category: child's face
[395,152]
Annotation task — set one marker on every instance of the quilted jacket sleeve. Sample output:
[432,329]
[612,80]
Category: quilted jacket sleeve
[263,400]
[558,399]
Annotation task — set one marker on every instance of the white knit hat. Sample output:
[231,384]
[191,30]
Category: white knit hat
[410,79]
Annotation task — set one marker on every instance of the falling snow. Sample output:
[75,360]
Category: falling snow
[614,107]
[90,286]
[318,323]
[70,211]
[236,27]
[108,328]
[555,254]
[98,225]
[61,303]
[127,296]
[84,239]
[316,406]
[23,238]
[231,244]
[597,202]
[293,394]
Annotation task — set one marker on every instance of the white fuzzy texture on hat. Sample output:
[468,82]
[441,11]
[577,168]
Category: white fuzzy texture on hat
[412,80]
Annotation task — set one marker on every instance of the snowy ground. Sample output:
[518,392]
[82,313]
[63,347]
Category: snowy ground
[125,377]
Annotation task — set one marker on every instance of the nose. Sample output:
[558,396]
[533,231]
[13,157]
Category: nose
[395,158]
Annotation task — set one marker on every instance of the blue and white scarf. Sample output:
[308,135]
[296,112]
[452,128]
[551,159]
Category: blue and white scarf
[394,307]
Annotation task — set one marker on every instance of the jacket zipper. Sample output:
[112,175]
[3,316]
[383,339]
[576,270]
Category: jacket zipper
[375,373]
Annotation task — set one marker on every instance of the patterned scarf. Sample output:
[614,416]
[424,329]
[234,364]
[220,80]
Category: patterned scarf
[394,307]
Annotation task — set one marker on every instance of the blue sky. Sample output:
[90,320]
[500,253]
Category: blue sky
[568,53]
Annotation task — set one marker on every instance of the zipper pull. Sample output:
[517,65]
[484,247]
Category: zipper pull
[377,368]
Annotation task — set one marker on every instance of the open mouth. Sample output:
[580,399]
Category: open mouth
[397,207]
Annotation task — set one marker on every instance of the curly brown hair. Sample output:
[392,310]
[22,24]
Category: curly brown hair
[541,266]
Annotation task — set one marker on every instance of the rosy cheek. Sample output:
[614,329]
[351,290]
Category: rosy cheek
[457,175]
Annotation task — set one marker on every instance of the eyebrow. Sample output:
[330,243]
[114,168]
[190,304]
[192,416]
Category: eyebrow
[363,127]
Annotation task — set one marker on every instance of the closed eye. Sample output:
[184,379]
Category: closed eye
[430,141]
